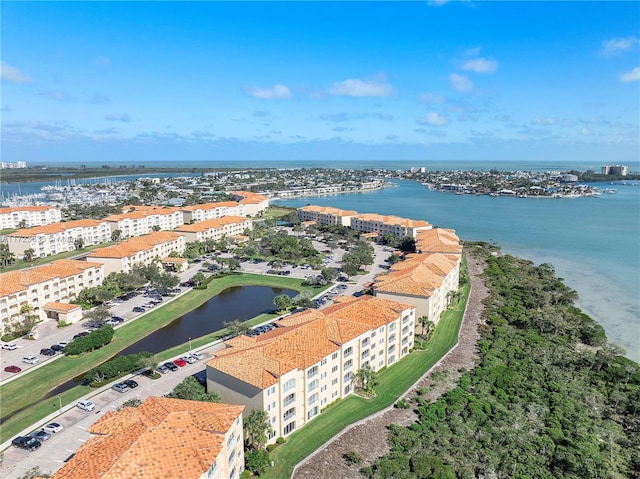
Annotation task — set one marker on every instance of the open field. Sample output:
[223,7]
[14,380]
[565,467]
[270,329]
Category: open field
[21,264]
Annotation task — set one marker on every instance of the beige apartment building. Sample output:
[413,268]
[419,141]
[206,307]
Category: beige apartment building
[254,203]
[311,359]
[425,278]
[31,215]
[326,215]
[58,237]
[379,226]
[215,229]
[209,211]
[146,220]
[142,250]
[162,438]
[58,282]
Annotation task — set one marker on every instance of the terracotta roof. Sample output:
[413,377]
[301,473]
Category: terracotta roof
[417,275]
[127,208]
[438,240]
[163,438]
[249,197]
[214,223]
[393,220]
[15,281]
[209,206]
[56,227]
[174,260]
[328,210]
[302,339]
[61,307]
[4,211]
[134,245]
[144,213]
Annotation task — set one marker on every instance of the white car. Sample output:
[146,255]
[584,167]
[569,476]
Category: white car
[189,358]
[197,355]
[52,427]
[86,405]
[30,360]
[10,346]
[64,343]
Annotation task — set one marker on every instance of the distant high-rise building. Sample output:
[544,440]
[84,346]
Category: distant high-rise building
[17,164]
[614,170]
[418,169]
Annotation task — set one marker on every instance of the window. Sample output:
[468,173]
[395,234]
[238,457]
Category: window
[373,335]
[212,470]
[323,375]
[323,362]
[347,364]
[334,394]
[364,354]
[273,420]
[290,384]
[312,399]
[348,352]
[391,349]
[347,389]
[290,399]
[334,381]
[289,414]
[381,329]
[347,377]
[312,372]
[289,428]
[233,474]
[271,390]
[312,412]
[365,342]
[334,356]
[312,385]
[405,339]
[405,319]
[230,441]
[392,359]
[405,330]
[405,351]
[334,369]
[323,388]
[392,338]
[232,457]
[392,327]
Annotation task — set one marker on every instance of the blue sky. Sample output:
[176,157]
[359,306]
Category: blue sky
[458,80]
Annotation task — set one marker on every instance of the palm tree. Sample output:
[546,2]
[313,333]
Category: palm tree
[6,256]
[78,243]
[256,428]
[28,254]
[116,235]
[427,328]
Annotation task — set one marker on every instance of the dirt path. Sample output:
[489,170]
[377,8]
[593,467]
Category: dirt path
[369,437]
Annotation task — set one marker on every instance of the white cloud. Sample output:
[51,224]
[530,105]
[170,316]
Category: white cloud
[57,95]
[13,75]
[278,92]
[122,117]
[617,46]
[359,88]
[460,82]
[431,99]
[586,132]
[544,121]
[433,119]
[438,3]
[633,75]
[481,65]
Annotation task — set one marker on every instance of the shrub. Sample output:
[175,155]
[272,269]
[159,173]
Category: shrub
[8,337]
[280,440]
[93,340]
[116,367]
[402,404]
[352,457]
[270,447]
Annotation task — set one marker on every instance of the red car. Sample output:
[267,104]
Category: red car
[180,362]
[14,369]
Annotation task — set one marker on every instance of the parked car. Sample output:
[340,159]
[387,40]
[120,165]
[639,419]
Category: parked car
[47,352]
[30,360]
[12,369]
[40,435]
[171,366]
[53,427]
[180,362]
[86,405]
[188,358]
[64,343]
[57,347]
[120,387]
[28,443]
[9,346]
[162,369]
[131,383]
[138,309]
[198,356]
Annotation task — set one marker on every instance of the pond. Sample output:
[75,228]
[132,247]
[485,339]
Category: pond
[238,302]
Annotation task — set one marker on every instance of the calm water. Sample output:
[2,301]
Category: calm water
[592,242]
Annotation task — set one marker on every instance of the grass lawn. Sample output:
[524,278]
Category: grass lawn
[277,212]
[21,264]
[27,391]
[394,381]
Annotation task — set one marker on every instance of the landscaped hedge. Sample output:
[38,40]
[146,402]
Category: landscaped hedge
[91,341]
[116,367]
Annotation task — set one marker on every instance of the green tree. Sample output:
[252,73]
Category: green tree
[28,254]
[116,235]
[198,279]
[256,461]
[236,327]
[78,243]
[98,315]
[155,228]
[22,224]
[283,302]
[6,256]
[165,281]
[256,429]
[329,274]
[192,390]
[428,327]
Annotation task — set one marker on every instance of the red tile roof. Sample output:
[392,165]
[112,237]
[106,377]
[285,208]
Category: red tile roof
[15,281]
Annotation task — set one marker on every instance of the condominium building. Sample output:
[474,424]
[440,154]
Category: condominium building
[142,250]
[28,216]
[57,282]
[208,211]
[326,215]
[58,237]
[162,438]
[311,358]
[215,229]
[382,225]
[254,203]
[145,220]
[424,279]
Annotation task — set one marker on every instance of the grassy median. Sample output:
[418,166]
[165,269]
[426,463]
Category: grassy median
[394,381]
[21,400]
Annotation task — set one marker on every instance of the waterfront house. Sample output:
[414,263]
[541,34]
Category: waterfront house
[326,215]
[144,220]
[384,225]
[208,211]
[254,203]
[162,438]
[215,228]
[311,358]
[143,250]
[58,237]
[30,215]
